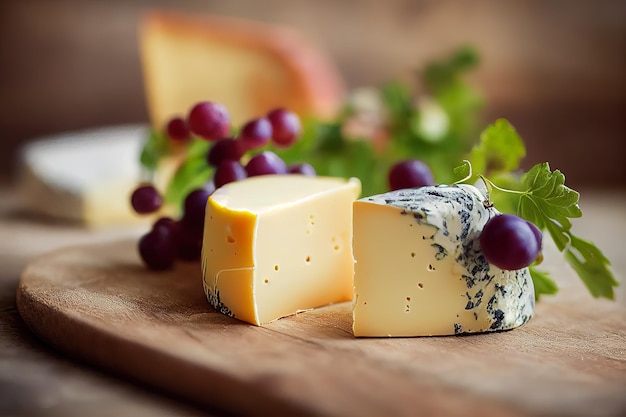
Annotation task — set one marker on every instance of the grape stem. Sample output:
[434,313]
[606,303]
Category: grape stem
[468,176]
[506,190]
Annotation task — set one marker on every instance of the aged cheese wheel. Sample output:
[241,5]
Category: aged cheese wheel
[249,67]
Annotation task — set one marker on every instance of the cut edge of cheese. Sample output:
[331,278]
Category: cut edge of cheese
[288,250]
[250,67]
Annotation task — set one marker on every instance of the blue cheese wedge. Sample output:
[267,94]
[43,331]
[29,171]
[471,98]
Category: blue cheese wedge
[420,270]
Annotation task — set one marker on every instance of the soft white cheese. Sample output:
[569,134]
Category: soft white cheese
[84,176]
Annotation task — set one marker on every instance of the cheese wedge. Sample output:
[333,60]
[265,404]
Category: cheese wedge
[248,67]
[420,270]
[86,176]
[278,244]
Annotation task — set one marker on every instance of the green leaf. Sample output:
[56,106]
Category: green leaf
[559,236]
[440,74]
[551,186]
[592,267]
[198,149]
[459,100]
[536,176]
[463,171]
[329,138]
[465,58]
[193,173]
[500,149]
[363,164]
[156,147]
[542,282]
[549,203]
[397,99]
[507,202]
[528,210]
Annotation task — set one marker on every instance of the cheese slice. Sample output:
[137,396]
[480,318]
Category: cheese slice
[278,244]
[420,270]
[85,176]
[248,67]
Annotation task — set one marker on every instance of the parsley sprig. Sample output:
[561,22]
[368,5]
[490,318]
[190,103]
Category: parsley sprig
[541,197]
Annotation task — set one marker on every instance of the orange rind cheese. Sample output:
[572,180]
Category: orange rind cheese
[247,66]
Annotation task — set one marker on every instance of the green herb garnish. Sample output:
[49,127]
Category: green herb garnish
[541,197]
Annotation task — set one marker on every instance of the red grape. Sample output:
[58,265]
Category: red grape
[194,208]
[410,173]
[286,126]
[509,242]
[168,227]
[228,171]
[256,133]
[157,250]
[264,163]
[209,120]
[177,130]
[537,233]
[146,199]
[302,169]
[190,243]
[225,150]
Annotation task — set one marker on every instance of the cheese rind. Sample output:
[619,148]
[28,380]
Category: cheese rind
[278,244]
[420,270]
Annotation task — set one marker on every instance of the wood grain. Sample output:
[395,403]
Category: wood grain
[98,303]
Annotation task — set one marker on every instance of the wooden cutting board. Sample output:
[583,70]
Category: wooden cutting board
[99,304]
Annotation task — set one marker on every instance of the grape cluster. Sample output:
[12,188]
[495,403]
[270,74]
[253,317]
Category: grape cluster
[233,158]
[507,241]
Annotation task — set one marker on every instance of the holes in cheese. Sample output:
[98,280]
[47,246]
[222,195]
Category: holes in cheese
[452,289]
[273,274]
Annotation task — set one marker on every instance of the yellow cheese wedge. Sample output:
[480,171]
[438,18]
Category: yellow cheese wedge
[248,67]
[278,244]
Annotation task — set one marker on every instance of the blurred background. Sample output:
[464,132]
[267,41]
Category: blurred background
[555,68]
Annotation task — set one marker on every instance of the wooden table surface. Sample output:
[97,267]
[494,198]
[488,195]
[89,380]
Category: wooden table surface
[35,380]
